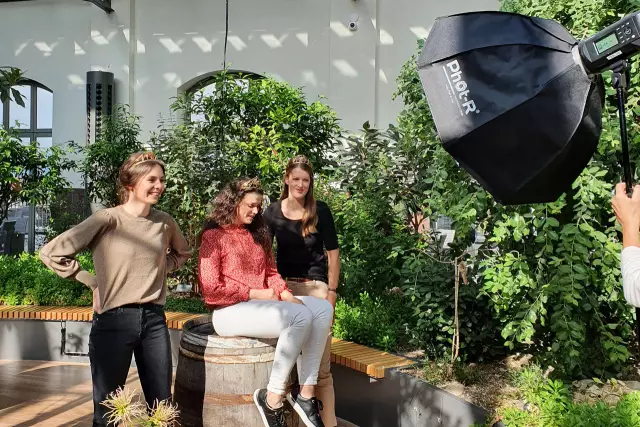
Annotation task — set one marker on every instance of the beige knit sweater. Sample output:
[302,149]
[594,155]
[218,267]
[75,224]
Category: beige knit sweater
[132,255]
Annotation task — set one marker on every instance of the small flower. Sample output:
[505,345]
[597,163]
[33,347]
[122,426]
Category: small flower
[122,408]
[164,415]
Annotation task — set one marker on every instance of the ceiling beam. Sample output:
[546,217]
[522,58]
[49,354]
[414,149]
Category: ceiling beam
[102,4]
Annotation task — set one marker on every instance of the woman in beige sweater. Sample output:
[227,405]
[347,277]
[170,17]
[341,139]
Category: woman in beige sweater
[134,247]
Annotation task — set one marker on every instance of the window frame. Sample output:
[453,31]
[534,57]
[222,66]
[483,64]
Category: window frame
[208,79]
[33,132]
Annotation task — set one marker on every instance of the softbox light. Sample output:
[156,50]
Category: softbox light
[512,102]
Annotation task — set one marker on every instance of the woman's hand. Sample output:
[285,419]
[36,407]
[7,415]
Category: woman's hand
[287,296]
[627,210]
[263,294]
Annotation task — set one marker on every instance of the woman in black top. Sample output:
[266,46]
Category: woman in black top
[307,256]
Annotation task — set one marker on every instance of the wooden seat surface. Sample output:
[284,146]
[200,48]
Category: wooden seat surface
[363,359]
[175,320]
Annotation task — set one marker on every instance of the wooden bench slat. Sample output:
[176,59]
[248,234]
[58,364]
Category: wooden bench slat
[361,358]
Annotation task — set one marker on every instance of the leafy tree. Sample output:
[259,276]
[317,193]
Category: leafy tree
[29,173]
[101,160]
[246,126]
[260,123]
[9,77]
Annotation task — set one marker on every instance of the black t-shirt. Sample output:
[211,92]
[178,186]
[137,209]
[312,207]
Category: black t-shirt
[298,256]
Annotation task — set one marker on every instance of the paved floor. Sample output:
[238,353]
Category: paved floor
[38,393]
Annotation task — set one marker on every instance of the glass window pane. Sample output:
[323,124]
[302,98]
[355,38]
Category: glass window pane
[25,140]
[1,114]
[21,114]
[45,141]
[44,99]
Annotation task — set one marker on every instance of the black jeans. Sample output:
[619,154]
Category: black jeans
[116,334]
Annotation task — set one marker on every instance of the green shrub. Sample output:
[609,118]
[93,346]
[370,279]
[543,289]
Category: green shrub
[185,304]
[24,280]
[376,322]
[101,160]
[379,252]
[551,405]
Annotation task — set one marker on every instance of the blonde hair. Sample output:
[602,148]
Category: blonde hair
[133,169]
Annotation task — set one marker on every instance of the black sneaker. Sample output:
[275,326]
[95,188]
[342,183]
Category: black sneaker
[270,417]
[307,409]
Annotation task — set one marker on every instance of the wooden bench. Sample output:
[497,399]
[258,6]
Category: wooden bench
[369,361]
[175,320]
[364,359]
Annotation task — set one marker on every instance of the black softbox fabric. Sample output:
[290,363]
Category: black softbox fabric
[511,102]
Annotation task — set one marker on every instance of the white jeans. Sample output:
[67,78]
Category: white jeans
[299,329]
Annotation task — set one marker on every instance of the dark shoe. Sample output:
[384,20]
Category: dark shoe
[270,417]
[307,409]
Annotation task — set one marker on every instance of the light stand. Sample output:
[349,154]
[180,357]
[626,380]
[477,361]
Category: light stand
[620,82]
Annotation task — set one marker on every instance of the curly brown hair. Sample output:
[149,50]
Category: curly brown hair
[225,208]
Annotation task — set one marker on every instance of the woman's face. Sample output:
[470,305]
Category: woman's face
[150,187]
[299,182]
[248,208]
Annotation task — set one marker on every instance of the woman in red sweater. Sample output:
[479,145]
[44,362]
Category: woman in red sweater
[248,297]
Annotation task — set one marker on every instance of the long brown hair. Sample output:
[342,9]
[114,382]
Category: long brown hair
[133,169]
[225,208]
[310,216]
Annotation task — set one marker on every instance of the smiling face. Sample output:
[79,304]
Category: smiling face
[149,187]
[248,208]
[299,182]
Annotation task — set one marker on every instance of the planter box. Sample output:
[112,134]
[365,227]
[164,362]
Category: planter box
[399,400]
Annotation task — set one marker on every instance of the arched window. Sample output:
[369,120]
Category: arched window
[35,123]
[206,86]
[35,118]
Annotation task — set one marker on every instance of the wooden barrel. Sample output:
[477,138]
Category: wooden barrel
[216,377]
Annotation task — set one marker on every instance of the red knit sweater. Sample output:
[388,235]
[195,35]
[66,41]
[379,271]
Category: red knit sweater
[230,263]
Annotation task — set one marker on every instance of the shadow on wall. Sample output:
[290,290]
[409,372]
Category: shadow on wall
[399,400]
[25,340]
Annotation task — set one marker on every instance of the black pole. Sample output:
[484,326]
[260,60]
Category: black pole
[619,81]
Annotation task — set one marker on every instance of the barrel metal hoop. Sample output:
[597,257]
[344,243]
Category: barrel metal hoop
[226,359]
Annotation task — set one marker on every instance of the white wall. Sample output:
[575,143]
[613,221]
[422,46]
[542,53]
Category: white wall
[156,47]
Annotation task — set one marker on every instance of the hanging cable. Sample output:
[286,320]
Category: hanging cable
[224,71]
[226,34]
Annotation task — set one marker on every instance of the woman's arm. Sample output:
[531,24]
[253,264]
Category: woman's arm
[330,239]
[180,251]
[59,254]
[627,210]
[630,266]
[333,258]
[272,278]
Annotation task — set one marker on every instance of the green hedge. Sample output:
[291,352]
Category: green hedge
[551,403]
[24,280]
